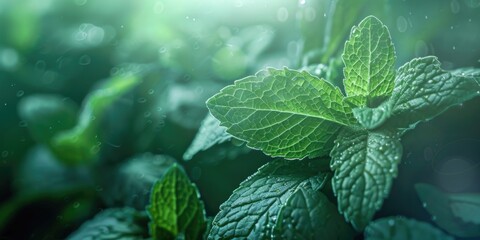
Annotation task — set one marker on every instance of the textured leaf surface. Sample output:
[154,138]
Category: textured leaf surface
[369,58]
[82,143]
[468,73]
[365,164]
[282,112]
[448,210]
[47,115]
[371,118]
[423,90]
[114,223]
[175,207]
[400,228]
[308,214]
[209,134]
[251,210]
[130,184]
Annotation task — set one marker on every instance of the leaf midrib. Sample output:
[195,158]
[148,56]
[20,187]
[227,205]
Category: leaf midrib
[292,113]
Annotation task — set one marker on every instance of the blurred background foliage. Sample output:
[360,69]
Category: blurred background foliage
[96,96]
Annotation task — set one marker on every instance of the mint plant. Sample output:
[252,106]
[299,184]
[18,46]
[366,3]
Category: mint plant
[295,115]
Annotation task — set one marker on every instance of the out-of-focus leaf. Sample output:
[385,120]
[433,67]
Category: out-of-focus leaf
[400,228]
[114,223]
[209,134]
[130,184]
[47,115]
[456,213]
[175,207]
[332,21]
[41,172]
[82,143]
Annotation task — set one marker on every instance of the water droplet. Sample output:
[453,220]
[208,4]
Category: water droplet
[84,60]
[158,8]
[424,204]
[141,100]
[391,222]
[76,204]
[40,65]
[454,47]
[20,93]
[80,2]
[426,17]
[282,14]
[455,6]
[402,24]
[8,58]
[4,154]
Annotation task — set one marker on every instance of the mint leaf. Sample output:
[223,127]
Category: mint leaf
[369,58]
[47,115]
[39,162]
[400,228]
[308,214]
[175,207]
[371,118]
[209,134]
[113,223]
[81,143]
[466,207]
[252,209]
[468,73]
[423,90]
[365,164]
[130,184]
[449,210]
[282,112]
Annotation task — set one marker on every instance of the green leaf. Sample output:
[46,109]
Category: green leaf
[455,213]
[209,134]
[369,58]
[252,209]
[308,214]
[47,115]
[423,90]
[175,207]
[468,73]
[400,228]
[130,184]
[81,143]
[466,207]
[31,174]
[371,118]
[282,112]
[365,164]
[113,223]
